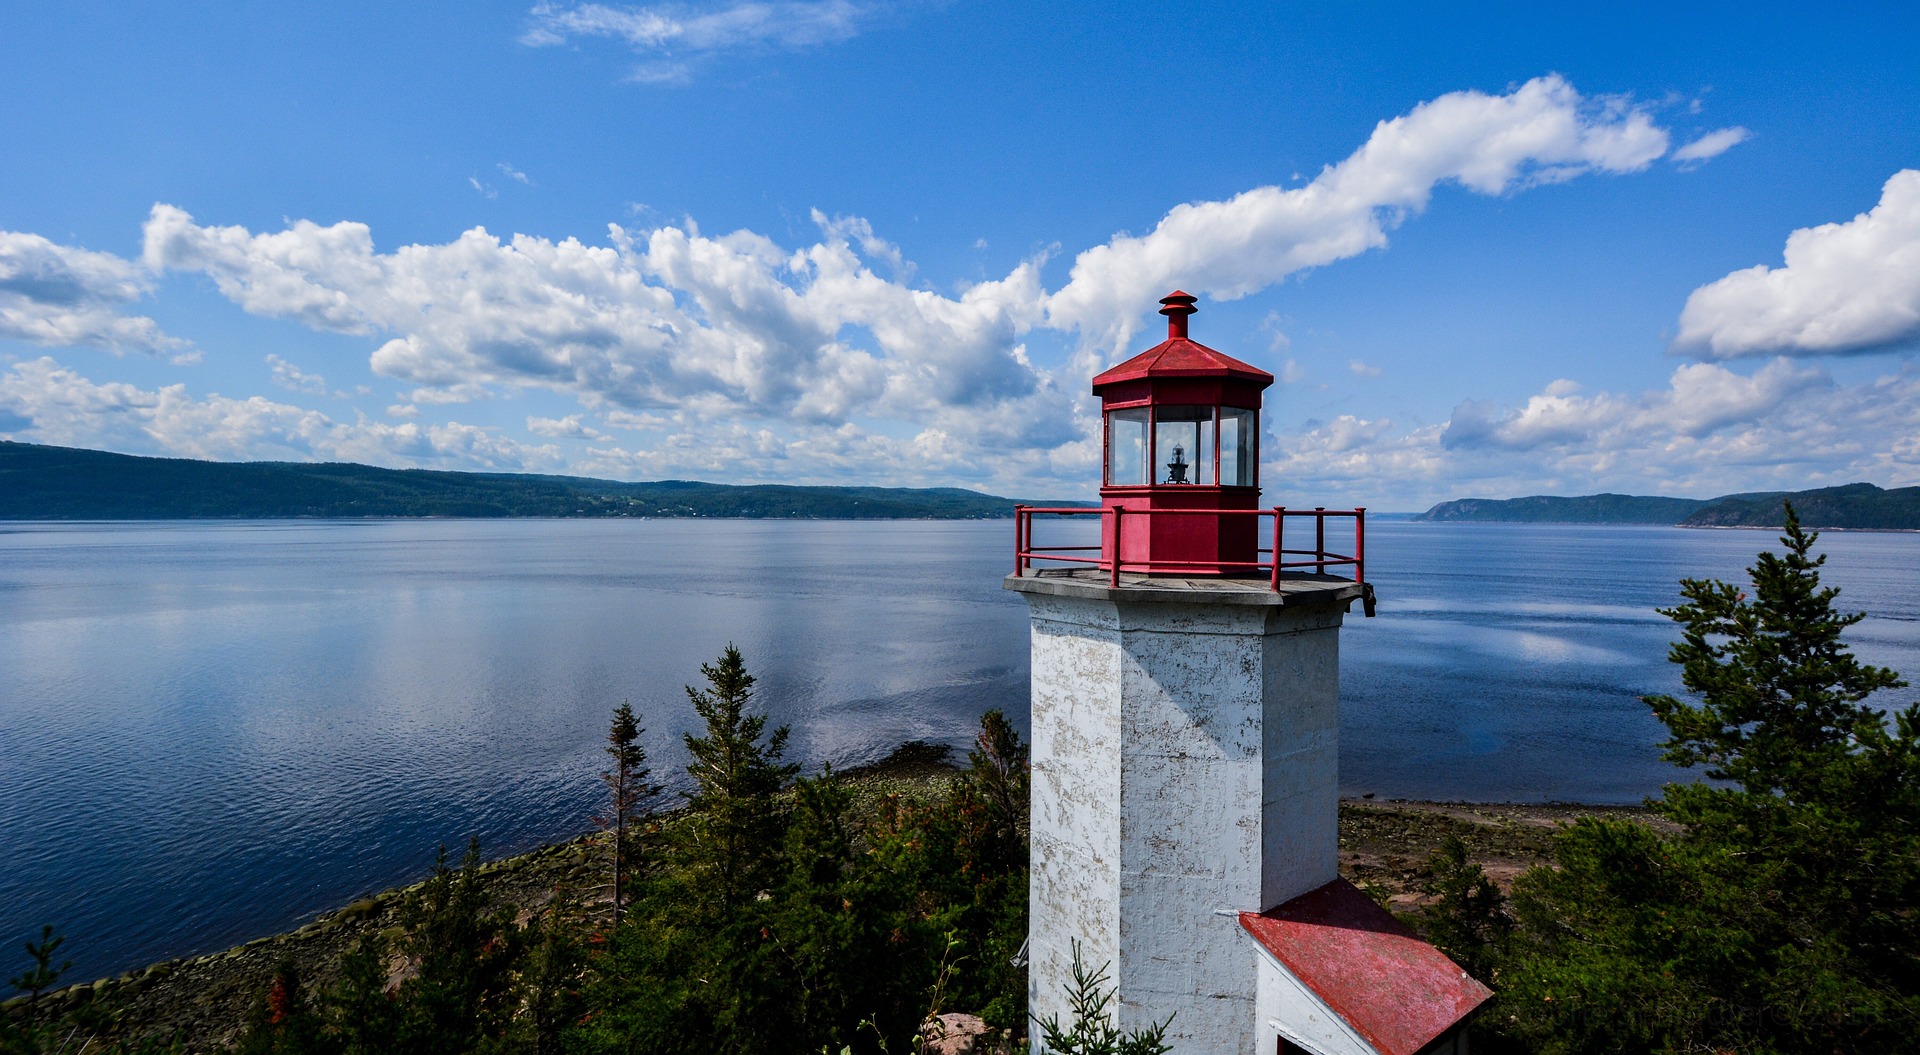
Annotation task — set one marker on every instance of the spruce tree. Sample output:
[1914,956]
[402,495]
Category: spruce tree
[1783,914]
[732,831]
[465,955]
[1465,916]
[45,973]
[1782,699]
[627,789]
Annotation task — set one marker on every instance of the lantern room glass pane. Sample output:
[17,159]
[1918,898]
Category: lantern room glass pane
[1237,459]
[1127,447]
[1183,445]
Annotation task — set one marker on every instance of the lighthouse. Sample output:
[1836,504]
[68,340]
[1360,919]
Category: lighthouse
[1185,739]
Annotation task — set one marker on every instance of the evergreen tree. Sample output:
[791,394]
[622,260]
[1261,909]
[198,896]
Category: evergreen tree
[998,776]
[693,968]
[460,993]
[850,951]
[627,789]
[44,973]
[358,1009]
[284,1021]
[966,851]
[1784,915]
[1782,700]
[1465,915]
[732,832]
[550,980]
[1092,1031]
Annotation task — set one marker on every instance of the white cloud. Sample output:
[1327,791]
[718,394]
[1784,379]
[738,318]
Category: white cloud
[49,403]
[1845,287]
[1709,431]
[486,190]
[731,355]
[651,320]
[1277,339]
[514,174]
[1711,145]
[1701,399]
[836,333]
[672,39]
[1541,132]
[58,295]
[568,427]
[1361,369]
[294,379]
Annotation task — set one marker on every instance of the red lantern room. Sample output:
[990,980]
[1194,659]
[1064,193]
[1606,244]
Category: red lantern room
[1182,445]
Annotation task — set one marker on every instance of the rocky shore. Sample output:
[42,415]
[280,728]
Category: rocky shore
[204,1001]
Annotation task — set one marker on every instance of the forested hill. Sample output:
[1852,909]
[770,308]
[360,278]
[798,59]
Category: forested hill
[64,483]
[1552,509]
[1851,506]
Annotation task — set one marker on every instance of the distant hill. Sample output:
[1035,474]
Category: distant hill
[1859,506]
[1551,509]
[1852,506]
[64,483]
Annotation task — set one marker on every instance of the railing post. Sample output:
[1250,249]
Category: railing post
[1360,544]
[1279,519]
[1113,575]
[1320,539]
[1019,540]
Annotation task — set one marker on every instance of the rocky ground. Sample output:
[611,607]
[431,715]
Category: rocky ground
[205,1000]
[1385,844]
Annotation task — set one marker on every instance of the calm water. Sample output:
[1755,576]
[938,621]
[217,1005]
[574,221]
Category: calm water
[214,731]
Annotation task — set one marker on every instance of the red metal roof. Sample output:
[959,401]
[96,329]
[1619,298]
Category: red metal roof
[1180,357]
[1394,989]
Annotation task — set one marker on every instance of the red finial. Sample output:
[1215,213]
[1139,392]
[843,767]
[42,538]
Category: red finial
[1179,305]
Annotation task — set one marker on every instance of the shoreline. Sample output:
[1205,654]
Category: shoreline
[204,1000]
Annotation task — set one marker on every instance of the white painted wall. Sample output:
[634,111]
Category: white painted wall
[1185,769]
[1286,1007]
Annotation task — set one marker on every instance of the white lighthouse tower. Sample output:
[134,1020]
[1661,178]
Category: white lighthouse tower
[1185,693]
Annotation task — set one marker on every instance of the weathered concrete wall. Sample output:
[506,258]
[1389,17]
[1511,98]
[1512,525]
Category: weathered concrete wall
[1077,667]
[1185,768]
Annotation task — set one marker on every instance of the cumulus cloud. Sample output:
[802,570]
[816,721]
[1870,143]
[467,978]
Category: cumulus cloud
[1701,398]
[655,319]
[58,295]
[1845,287]
[1708,431]
[731,354]
[49,403]
[1711,145]
[1541,132]
[837,332]
[672,39]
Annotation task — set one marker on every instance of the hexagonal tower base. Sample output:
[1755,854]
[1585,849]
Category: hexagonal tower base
[1185,769]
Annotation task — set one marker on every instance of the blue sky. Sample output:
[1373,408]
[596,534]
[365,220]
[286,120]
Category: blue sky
[1489,251]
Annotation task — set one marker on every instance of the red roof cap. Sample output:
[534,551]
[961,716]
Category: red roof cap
[1175,304]
[1394,989]
[1179,357]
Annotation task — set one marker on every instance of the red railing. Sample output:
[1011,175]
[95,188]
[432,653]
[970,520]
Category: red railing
[1319,558]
